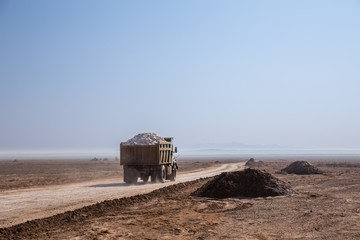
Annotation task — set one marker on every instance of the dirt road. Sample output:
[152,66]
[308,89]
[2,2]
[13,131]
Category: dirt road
[22,205]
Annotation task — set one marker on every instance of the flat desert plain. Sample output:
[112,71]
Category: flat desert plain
[324,206]
[24,174]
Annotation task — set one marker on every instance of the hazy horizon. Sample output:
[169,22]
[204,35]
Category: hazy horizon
[189,152]
[88,74]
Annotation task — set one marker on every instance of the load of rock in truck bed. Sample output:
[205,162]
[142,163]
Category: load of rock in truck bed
[247,183]
[144,139]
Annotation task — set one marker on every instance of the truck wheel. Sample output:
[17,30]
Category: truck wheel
[130,175]
[133,176]
[153,177]
[173,175]
[145,178]
[162,174]
[126,174]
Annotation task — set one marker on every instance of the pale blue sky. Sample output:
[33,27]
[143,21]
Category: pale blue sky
[90,74]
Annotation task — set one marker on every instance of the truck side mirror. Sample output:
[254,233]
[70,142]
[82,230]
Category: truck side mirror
[175,150]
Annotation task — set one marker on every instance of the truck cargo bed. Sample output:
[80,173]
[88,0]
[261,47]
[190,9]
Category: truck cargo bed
[160,153]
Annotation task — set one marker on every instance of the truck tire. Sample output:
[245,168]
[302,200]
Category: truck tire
[145,178]
[153,176]
[173,175]
[162,174]
[130,175]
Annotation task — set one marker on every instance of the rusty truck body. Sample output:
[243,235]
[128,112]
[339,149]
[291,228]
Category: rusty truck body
[144,161]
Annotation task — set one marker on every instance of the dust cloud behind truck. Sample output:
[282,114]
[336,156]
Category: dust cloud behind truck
[149,159]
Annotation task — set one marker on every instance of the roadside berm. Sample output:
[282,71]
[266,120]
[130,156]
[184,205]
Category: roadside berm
[301,167]
[246,183]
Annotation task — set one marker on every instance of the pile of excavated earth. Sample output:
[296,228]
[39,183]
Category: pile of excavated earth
[252,163]
[301,167]
[247,183]
[145,139]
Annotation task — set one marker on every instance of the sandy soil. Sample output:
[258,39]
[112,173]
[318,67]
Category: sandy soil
[325,206]
[21,205]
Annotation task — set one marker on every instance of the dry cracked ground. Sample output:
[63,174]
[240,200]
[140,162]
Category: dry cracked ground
[325,206]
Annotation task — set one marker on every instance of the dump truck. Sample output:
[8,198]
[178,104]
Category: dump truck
[144,161]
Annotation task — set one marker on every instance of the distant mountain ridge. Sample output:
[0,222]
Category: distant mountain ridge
[234,145]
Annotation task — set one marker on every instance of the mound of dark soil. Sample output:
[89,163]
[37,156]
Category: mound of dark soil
[247,183]
[252,163]
[301,167]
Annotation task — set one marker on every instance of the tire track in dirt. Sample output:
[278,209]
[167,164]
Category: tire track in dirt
[23,205]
